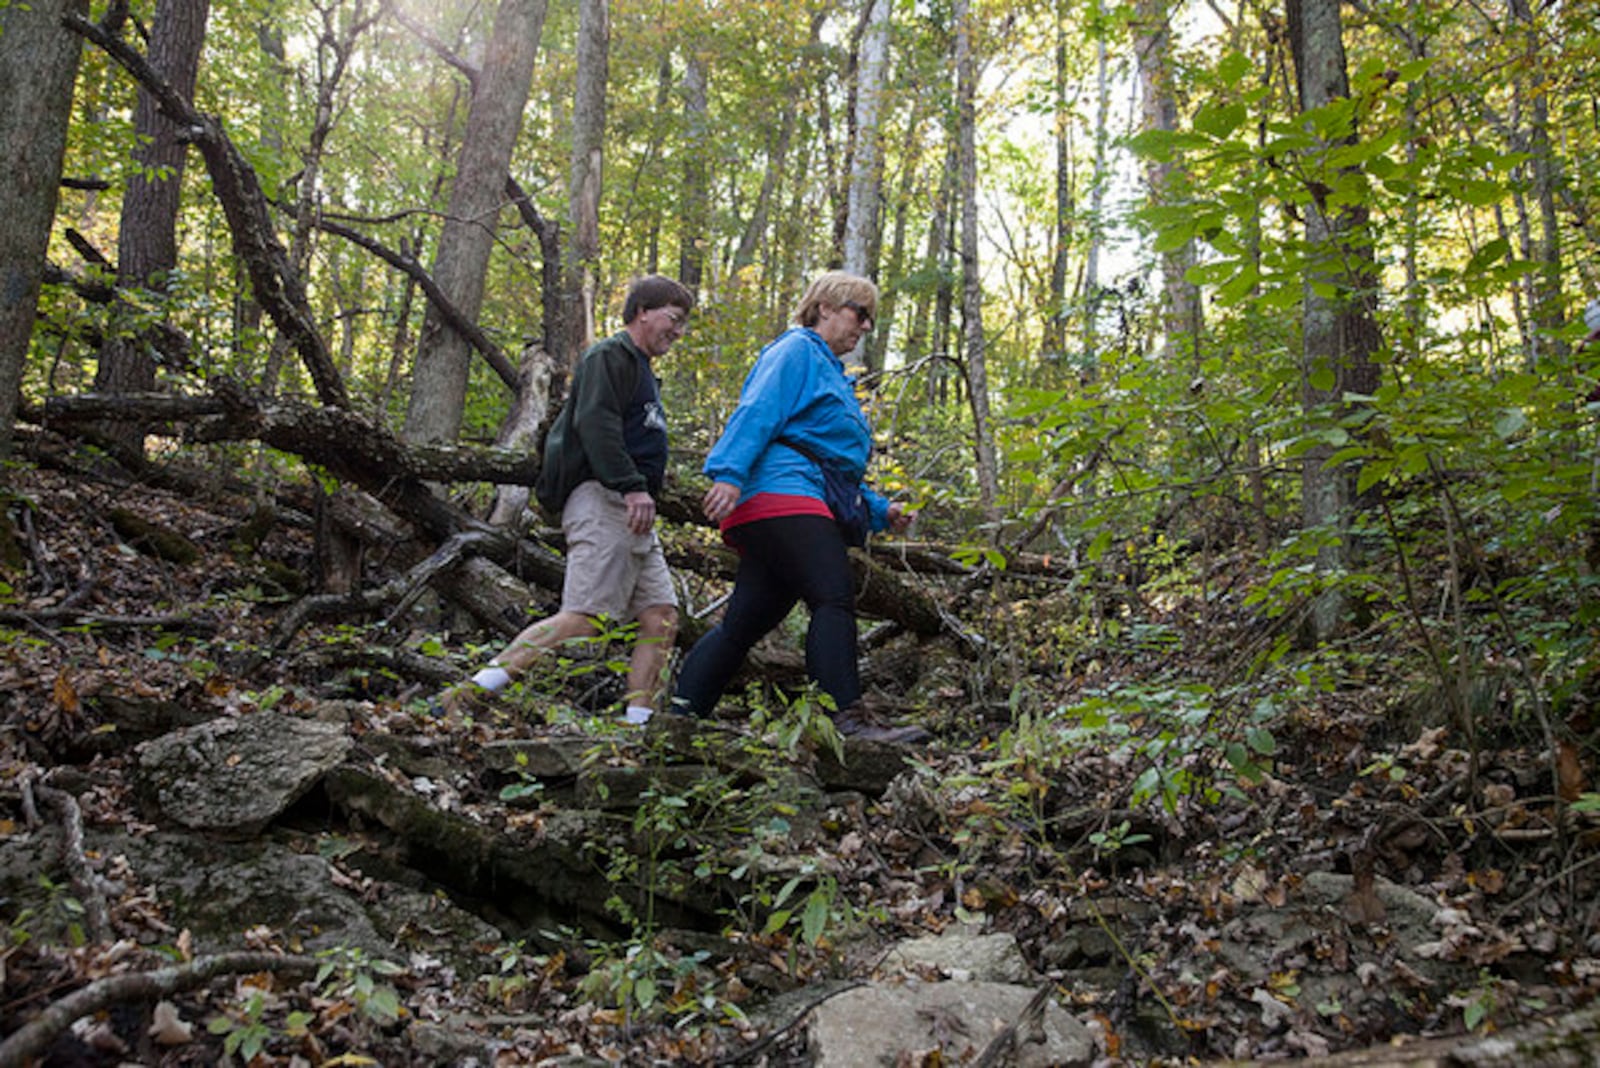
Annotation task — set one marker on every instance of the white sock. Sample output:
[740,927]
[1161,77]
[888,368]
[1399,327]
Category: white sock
[638,715]
[493,678]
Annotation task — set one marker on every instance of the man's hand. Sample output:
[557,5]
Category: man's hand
[641,511]
[720,500]
[899,518]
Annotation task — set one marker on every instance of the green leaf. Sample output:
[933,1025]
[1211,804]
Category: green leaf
[1233,67]
[1240,284]
[1480,192]
[815,919]
[1509,422]
[1373,473]
[1490,253]
[1219,121]
[384,1004]
[1261,741]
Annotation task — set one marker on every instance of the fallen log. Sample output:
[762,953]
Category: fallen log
[366,454]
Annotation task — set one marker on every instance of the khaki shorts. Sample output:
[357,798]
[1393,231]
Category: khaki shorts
[611,571]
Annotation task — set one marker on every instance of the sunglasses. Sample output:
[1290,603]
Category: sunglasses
[862,315]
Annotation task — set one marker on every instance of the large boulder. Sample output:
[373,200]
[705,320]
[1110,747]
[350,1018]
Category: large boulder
[884,1024]
[233,775]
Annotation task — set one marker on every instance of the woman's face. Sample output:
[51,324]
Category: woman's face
[842,325]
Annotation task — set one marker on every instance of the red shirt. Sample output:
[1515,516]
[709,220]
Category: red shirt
[771,506]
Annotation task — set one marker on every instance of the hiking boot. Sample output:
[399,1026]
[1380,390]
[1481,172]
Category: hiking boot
[864,725]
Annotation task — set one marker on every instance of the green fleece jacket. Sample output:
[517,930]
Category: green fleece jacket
[612,428]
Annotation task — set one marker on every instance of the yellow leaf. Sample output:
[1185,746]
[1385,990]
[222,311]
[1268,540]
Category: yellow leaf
[65,694]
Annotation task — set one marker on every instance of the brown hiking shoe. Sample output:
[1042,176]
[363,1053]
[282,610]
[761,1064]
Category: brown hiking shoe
[865,725]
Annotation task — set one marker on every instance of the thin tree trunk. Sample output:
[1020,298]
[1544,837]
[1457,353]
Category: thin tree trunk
[1545,304]
[147,242]
[971,283]
[941,234]
[1097,199]
[439,382]
[38,66]
[1337,326]
[335,45]
[1180,305]
[1055,332]
[588,129]
[696,199]
[864,192]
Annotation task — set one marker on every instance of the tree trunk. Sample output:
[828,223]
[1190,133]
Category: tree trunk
[865,189]
[38,66]
[971,284]
[1533,108]
[1180,304]
[335,45]
[1055,331]
[439,382]
[521,430]
[696,198]
[1337,325]
[588,137]
[147,242]
[940,246]
[1097,199]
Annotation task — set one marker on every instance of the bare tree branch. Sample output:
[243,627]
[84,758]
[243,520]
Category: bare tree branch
[33,1038]
[276,285]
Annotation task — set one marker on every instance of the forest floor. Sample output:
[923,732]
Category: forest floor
[1206,860]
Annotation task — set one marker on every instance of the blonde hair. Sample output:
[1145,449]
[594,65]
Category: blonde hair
[837,288]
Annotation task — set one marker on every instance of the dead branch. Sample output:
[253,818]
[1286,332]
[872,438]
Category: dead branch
[273,279]
[63,615]
[452,315]
[401,590]
[97,918]
[1061,491]
[34,1037]
[367,455]
[762,1044]
[1004,1045]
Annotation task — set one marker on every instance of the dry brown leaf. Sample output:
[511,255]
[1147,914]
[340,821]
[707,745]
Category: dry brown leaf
[65,694]
[167,1027]
[1570,779]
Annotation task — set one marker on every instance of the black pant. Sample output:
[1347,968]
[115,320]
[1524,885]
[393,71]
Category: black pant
[782,561]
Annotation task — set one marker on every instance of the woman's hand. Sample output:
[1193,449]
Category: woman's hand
[719,501]
[900,518]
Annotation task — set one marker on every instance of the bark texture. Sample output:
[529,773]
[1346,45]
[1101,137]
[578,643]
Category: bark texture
[1340,335]
[38,65]
[439,383]
[147,237]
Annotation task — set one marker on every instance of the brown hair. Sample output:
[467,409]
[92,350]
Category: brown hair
[837,288]
[655,291]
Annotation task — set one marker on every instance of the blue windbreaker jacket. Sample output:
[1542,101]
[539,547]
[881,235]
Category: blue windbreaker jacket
[797,389]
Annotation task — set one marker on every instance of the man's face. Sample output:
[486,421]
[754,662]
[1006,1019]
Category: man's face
[659,328]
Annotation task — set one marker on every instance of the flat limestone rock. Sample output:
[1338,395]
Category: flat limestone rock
[233,775]
[879,1023]
[964,954]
